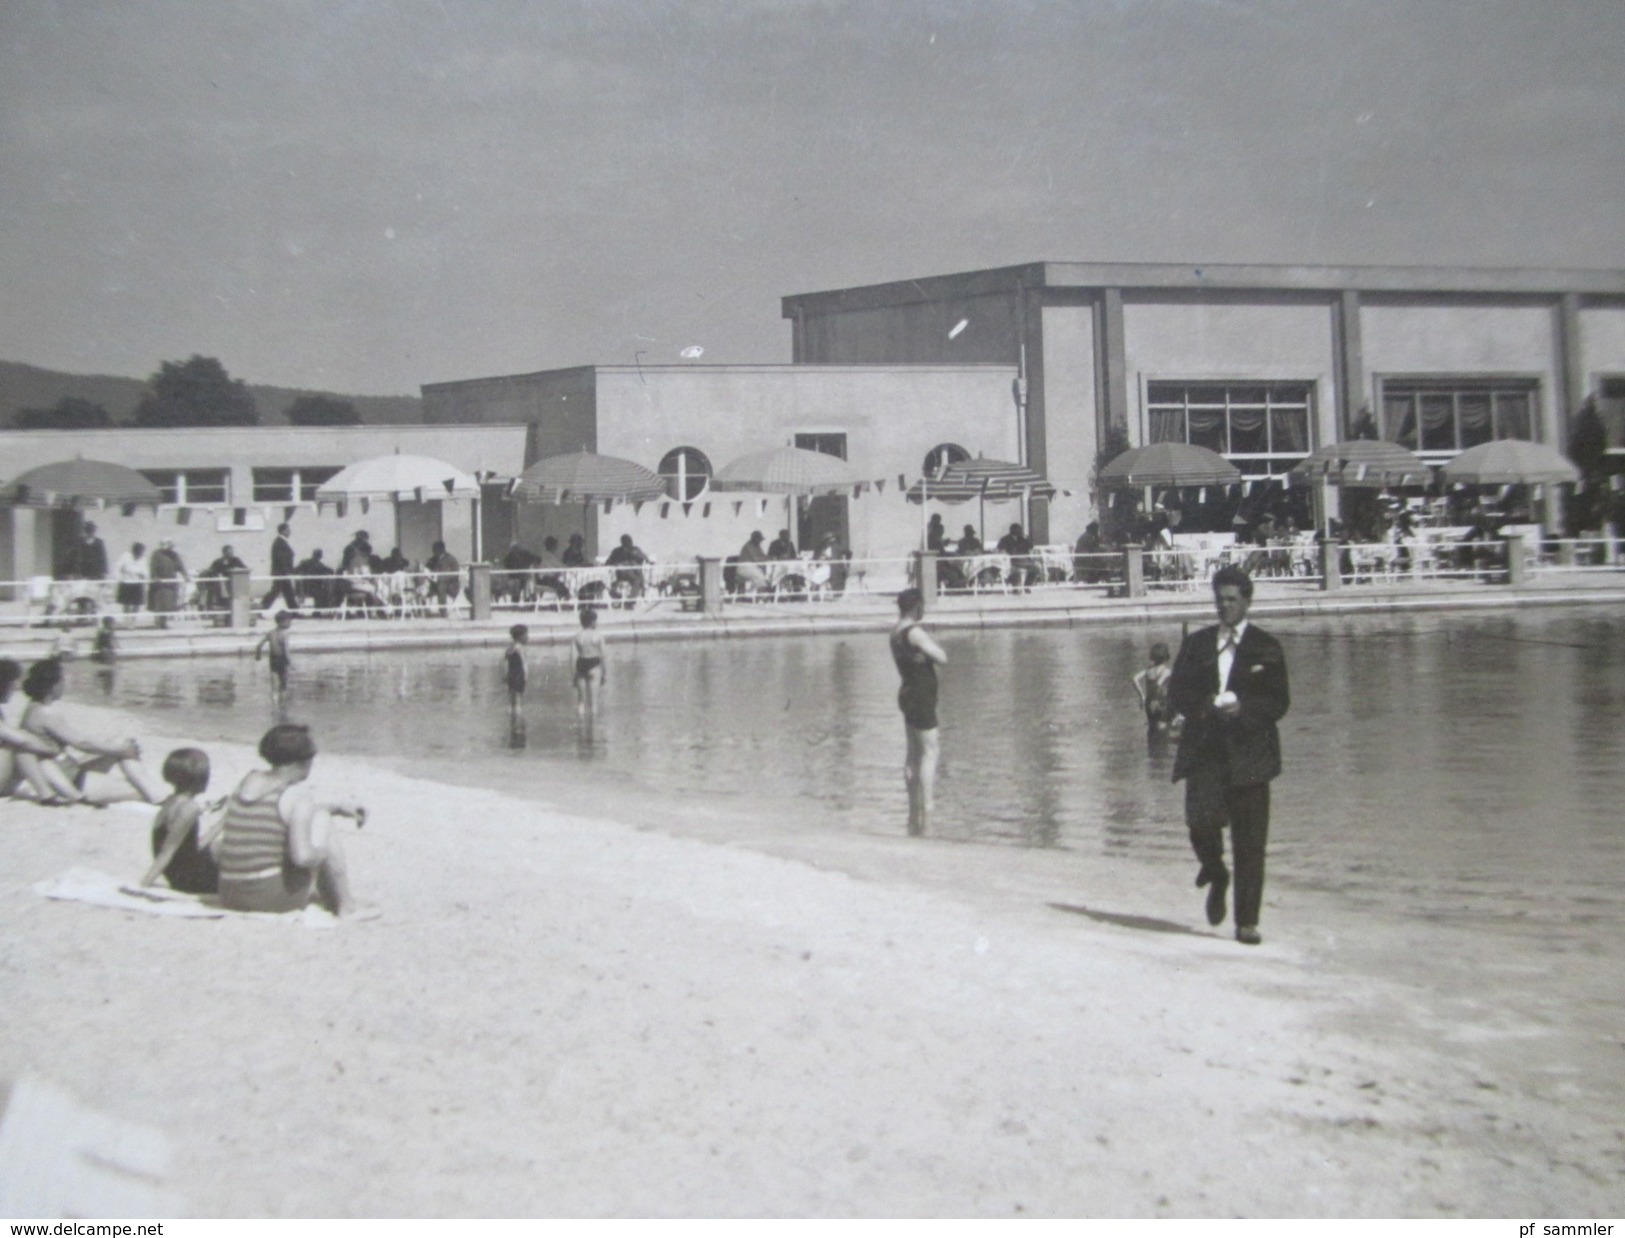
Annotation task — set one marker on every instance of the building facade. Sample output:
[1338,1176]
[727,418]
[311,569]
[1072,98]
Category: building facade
[1261,363]
[233,486]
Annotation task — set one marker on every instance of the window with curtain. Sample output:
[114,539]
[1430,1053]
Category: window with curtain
[1261,428]
[1441,416]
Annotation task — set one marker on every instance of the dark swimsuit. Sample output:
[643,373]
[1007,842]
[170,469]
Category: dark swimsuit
[586,666]
[516,671]
[918,696]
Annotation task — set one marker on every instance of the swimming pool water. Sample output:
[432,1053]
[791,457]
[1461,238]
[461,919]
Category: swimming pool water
[1450,766]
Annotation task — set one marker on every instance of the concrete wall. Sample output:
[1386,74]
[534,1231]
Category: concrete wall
[1072,416]
[892,417]
[557,406]
[915,334]
[199,532]
[1231,338]
[1602,343]
[1466,339]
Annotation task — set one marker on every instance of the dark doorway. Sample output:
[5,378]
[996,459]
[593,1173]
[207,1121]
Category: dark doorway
[823,513]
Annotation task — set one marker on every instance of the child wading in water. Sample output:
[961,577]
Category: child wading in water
[514,669]
[278,640]
[1152,685]
[589,672]
[181,851]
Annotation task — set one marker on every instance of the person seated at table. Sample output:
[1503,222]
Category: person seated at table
[575,554]
[448,583]
[1087,565]
[396,562]
[361,586]
[549,569]
[44,717]
[750,568]
[213,579]
[515,575]
[782,549]
[359,550]
[840,562]
[628,562]
[1024,568]
[311,581]
[969,543]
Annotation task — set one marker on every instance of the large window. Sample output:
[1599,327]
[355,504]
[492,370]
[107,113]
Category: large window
[687,472]
[298,485]
[1611,408]
[1261,428]
[192,487]
[1441,416]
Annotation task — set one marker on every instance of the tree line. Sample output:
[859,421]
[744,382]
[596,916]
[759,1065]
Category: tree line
[194,392]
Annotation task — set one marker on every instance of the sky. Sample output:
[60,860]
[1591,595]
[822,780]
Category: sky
[366,195]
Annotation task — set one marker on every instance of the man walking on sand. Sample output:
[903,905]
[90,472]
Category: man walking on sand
[1230,684]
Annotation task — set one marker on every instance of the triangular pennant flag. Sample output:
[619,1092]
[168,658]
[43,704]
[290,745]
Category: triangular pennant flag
[687,507]
[665,510]
[366,505]
[343,509]
[239,516]
[1066,494]
[183,515]
[419,495]
[1360,472]
[902,482]
[637,508]
[609,505]
[1246,488]
[739,506]
[1201,495]
[127,509]
[513,485]
[705,510]
[450,484]
[880,485]
[857,490]
[761,507]
[287,514]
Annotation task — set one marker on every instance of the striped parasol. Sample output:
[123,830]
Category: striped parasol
[405,478]
[80,483]
[1511,462]
[1168,464]
[587,477]
[786,470]
[997,480]
[1369,462]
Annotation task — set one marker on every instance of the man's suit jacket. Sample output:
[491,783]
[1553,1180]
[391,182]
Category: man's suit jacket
[281,557]
[1247,746]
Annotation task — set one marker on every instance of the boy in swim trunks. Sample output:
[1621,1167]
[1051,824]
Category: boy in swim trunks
[278,640]
[513,667]
[589,670]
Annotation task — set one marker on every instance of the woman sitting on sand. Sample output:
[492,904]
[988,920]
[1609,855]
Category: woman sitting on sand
[44,718]
[27,760]
[278,851]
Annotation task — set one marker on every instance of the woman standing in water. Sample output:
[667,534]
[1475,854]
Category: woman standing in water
[917,657]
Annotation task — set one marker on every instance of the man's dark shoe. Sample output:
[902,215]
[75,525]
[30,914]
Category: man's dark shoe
[1247,935]
[1216,907]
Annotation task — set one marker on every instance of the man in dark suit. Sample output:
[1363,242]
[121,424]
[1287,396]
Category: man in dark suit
[281,569]
[1230,684]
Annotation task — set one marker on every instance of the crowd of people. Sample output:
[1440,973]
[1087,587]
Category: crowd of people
[269,846]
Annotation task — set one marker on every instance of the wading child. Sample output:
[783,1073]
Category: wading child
[589,654]
[278,641]
[514,669]
[181,850]
[1152,685]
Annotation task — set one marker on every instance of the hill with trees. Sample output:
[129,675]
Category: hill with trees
[30,387]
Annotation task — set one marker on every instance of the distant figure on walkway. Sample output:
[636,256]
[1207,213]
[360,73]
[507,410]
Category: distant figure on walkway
[917,657]
[278,851]
[131,574]
[1230,683]
[590,671]
[166,594]
[514,670]
[278,641]
[282,569]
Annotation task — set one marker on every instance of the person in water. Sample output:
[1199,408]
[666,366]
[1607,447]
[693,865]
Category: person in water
[917,657]
[589,654]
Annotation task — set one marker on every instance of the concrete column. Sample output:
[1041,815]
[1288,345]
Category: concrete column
[479,591]
[1114,363]
[710,586]
[240,592]
[925,575]
[1134,572]
[1350,361]
[1517,570]
[1331,565]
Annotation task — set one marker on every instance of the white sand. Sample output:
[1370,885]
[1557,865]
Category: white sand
[563,1016]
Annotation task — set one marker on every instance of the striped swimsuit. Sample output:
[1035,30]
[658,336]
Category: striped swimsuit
[256,873]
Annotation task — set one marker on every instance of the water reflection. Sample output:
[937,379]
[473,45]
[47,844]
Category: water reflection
[1447,765]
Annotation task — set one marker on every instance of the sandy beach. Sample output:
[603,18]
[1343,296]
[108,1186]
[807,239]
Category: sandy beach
[606,1005]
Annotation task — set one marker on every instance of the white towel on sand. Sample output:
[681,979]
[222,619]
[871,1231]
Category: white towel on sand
[86,885]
